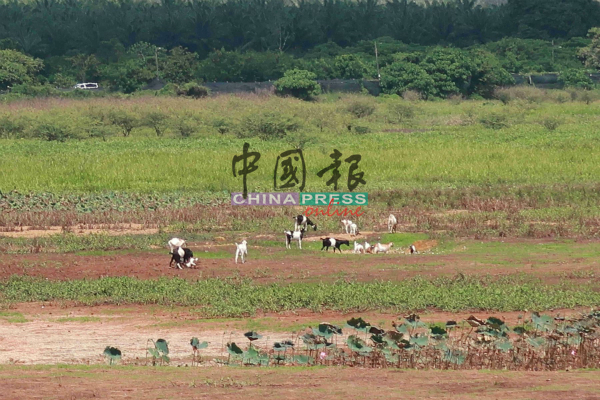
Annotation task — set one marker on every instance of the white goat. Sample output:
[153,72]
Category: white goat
[368,248]
[346,223]
[175,243]
[242,250]
[353,229]
[383,248]
[392,222]
[358,248]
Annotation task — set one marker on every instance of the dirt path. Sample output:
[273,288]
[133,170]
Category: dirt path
[77,335]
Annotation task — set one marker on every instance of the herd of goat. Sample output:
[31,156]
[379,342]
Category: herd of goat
[184,256]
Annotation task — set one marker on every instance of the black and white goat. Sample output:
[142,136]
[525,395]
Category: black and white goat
[413,249]
[303,221]
[184,256]
[335,243]
[296,235]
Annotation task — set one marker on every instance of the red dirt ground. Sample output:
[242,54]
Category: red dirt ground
[293,383]
[274,267]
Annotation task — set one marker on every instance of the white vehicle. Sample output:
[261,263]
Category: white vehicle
[86,86]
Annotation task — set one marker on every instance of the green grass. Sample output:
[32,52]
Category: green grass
[237,297]
[12,317]
[454,151]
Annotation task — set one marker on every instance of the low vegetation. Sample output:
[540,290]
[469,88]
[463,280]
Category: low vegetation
[242,297]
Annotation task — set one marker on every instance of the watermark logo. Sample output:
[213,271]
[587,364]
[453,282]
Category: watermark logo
[300,199]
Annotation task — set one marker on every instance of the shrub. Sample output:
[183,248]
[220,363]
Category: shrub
[156,120]
[11,127]
[185,126]
[123,119]
[267,125]
[576,78]
[494,121]
[361,108]
[530,94]
[221,125]
[412,95]
[551,123]
[193,89]
[52,132]
[399,112]
[361,129]
[298,83]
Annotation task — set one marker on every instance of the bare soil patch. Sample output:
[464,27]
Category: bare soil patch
[331,383]
[61,333]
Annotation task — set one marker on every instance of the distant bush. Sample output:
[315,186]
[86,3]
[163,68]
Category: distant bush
[529,94]
[551,123]
[401,76]
[267,125]
[576,78]
[298,83]
[156,120]
[184,125]
[361,108]
[53,132]
[495,121]
[124,120]
[193,89]
[400,112]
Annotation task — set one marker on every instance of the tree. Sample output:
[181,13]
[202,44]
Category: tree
[488,74]
[590,55]
[576,78]
[180,66]
[450,69]
[298,83]
[401,76]
[349,66]
[17,68]
[86,66]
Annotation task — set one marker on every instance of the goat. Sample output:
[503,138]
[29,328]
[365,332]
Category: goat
[296,235]
[346,223]
[175,243]
[183,256]
[354,229]
[303,221]
[368,248]
[383,248]
[413,249]
[392,222]
[242,250]
[358,248]
[335,243]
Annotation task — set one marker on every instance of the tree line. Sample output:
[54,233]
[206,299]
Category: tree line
[46,28]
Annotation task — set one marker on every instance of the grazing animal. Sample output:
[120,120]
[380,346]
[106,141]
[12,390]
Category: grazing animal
[242,250]
[335,243]
[346,223]
[354,229]
[175,243]
[358,248]
[184,256]
[296,235]
[392,222]
[383,248]
[368,248]
[413,249]
[303,221]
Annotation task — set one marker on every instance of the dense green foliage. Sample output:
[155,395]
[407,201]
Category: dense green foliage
[298,83]
[125,45]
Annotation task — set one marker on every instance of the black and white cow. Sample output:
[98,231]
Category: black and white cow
[303,221]
[335,243]
[296,235]
[184,256]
